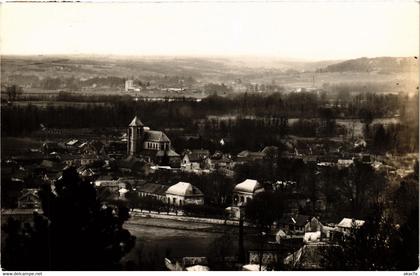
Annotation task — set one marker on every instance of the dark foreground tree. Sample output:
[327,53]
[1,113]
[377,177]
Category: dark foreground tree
[378,245]
[265,208]
[75,232]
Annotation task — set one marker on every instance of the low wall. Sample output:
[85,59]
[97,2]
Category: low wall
[181,217]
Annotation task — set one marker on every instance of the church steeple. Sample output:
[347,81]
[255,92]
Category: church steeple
[135,136]
[136,122]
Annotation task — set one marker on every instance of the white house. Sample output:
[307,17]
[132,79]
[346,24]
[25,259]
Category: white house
[245,191]
[184,193]
[346,224]
[195,160]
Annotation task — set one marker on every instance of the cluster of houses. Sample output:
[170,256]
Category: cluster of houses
[179,194]
[112,167]
[142,150]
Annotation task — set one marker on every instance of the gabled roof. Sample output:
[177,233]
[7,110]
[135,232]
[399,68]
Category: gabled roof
[29,193]
[156,136]
[251,154]
[201,152]
[169,153]
[248,186]
[184,189]
[96,145]
[136,122]
[308,256]
[72,142]
[152,188]
[267,149]
[196,156]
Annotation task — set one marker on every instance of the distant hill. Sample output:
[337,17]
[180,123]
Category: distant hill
[201,68]
[100,72]
[378,64]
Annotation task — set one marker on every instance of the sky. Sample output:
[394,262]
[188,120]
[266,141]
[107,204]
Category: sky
[307,30]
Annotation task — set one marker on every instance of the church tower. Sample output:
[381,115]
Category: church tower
[135,136]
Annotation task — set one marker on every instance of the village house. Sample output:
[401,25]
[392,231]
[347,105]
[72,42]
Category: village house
[70,159]
[86,173]
[346,224]
[184,193]
[344,163]
[73,144]
[271,152]
[156,191]
[29,199]
[219,160]
[268,257]
[168,157]
[93,148]
[249,156]
[313,231]
[195,160]
[246,191]
[49,166]
[113,189]
[283,184]
[294,224]
[88,159]
[49,147]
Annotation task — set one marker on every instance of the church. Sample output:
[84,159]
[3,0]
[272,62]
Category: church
[149,143]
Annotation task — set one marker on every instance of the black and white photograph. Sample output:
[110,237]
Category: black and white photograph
[209,136]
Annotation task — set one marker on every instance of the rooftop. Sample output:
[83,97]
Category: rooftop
[169,153]
[152,188]
[184,189]
[156,136]
[136,122]
[348,223]
[248,186]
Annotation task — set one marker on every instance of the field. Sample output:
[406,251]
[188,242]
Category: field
[157,237]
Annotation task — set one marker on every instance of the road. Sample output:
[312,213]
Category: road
[156,238]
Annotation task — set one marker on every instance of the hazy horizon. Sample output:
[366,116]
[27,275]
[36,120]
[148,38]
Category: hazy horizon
[198,56]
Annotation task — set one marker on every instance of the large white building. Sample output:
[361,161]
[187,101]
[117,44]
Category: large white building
[245,191]
[184,193]
[129,86]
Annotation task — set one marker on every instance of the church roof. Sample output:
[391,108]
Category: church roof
[136,122]
[156,136]
[169,153]
[184,189]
